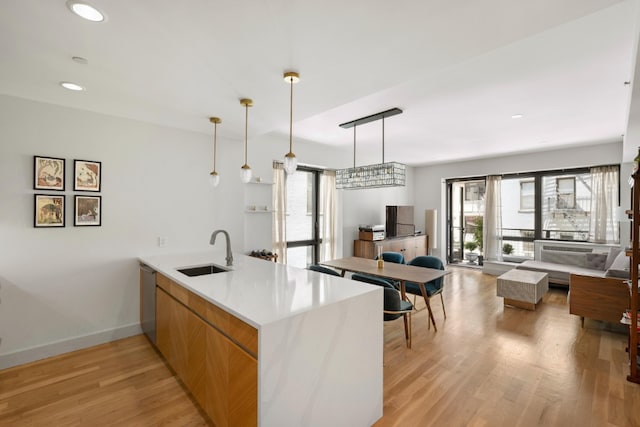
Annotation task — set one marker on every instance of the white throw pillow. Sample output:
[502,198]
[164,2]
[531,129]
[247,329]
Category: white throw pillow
[613,254]
[619,267]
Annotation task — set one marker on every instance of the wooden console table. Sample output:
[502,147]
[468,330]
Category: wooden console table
[409,246]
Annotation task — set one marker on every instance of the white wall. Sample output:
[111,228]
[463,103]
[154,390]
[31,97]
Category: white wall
[429,180]
[368,207]
[68,288]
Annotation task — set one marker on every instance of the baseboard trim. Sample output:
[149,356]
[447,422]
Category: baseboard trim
[32,354]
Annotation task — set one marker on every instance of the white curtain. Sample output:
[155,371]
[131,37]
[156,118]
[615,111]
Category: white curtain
[279,226]
[603,224]
[492,228]
[328,216]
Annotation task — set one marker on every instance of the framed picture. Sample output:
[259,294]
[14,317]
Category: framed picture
[48,210]
[48,173]
[88,211]
[86,175]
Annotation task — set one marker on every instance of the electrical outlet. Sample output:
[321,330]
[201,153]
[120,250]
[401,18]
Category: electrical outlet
[162,242]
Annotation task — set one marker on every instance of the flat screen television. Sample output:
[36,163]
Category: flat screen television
[399,221]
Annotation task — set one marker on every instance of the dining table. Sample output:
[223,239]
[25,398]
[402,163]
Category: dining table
[400,273]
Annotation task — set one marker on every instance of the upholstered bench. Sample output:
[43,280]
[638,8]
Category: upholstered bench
[522,288]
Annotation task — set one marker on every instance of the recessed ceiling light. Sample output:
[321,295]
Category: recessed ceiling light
[71,86]
[517,116]
[85,11]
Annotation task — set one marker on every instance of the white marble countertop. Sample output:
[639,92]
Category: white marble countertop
[257,291]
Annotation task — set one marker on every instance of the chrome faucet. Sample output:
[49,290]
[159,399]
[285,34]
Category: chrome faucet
[229,257]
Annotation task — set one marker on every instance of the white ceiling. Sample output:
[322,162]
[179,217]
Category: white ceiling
[459,69]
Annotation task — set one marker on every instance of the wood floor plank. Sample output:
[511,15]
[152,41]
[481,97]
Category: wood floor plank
[488,365]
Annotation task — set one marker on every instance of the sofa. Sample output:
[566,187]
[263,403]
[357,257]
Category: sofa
[596,279]
[561,261]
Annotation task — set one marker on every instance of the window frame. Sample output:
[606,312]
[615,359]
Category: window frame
[535,176]
[314,204]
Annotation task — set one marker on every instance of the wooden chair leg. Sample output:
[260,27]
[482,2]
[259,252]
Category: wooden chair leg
[426,300]
[443,309]
[410,332]
[407,328]
[433,320]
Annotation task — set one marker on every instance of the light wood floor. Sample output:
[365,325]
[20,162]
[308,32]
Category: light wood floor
[486,366]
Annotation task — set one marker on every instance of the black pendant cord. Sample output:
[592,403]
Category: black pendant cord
[382,139]
[354,146]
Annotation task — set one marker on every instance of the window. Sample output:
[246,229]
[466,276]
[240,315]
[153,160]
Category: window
[566,193]
[303,238]
[554,205]
[518,217]
[566,206]
[527,196]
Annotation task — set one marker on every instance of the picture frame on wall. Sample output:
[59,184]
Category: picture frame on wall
[87,175]
[48,173]
[87,211]
[48,210]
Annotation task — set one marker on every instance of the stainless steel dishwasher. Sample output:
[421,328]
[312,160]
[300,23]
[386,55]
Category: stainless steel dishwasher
[148,303]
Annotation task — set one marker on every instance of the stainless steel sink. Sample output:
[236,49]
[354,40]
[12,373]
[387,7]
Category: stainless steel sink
[202,270]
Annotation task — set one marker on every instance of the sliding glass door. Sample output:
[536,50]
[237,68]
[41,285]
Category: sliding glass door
[465,217]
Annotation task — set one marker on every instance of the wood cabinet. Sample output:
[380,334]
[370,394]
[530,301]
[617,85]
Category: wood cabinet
[211,351]
[410,247]
[634,334]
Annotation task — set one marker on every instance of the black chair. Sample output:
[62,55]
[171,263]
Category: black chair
[429,289]
[323,269]
[394,306]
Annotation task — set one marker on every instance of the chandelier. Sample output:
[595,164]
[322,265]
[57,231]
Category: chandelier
[390,174]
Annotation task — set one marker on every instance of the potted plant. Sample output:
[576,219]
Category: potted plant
[507,249]
[471,256]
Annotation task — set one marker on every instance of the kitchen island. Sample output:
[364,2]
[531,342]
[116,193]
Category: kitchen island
[268,344]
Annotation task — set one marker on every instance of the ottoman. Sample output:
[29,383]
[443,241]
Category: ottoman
[522,288]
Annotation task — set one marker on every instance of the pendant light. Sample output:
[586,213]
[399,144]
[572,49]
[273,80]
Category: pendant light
[245,170]
[391,174]
[290,161]
[214,178]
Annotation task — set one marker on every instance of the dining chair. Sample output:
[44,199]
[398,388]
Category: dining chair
[323,269]
[428,289]
[396,258]
[393,307]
